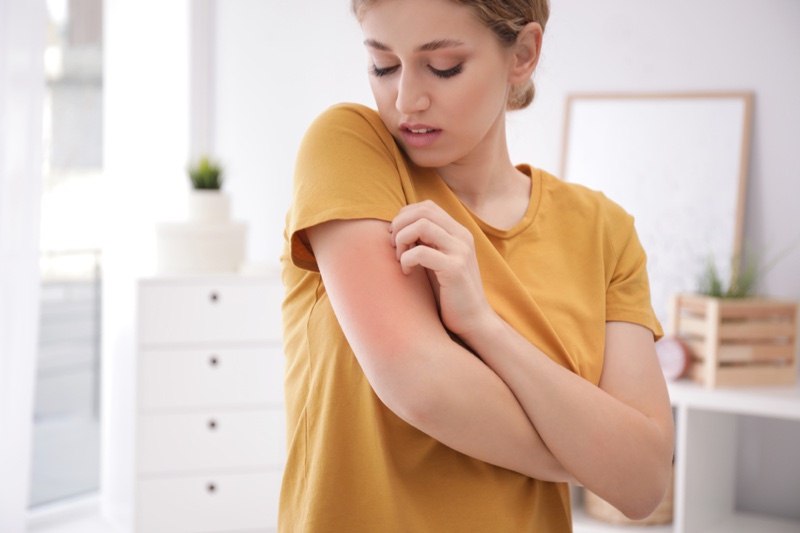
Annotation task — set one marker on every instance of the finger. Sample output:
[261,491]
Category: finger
[425,232]
[424,256]
[430,210]
[416,211]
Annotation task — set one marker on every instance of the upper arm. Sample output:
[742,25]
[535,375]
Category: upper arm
[632,375]
[386,316]
[631,372]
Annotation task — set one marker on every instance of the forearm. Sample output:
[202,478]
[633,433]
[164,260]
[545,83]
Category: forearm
[455,398]
[609,446]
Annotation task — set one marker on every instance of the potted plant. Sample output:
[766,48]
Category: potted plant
[209,241]
[205,174]
[207,202]
[733,336]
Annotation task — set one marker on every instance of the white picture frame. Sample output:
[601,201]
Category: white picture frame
[676,162]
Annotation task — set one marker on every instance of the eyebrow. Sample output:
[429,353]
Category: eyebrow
[427,47]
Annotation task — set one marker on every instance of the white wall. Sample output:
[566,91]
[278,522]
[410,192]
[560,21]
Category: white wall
[146,147]
[691,45]
[279,63]
[21,100]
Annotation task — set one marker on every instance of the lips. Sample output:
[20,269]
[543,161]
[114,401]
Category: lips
[421,130]
[419,135]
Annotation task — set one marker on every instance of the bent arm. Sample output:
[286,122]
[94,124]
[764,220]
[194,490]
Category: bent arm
[392,324]
[615,438]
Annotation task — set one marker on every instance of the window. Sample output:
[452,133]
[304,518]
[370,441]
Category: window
[66,436]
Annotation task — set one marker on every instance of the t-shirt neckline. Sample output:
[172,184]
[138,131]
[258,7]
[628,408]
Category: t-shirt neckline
[530,213]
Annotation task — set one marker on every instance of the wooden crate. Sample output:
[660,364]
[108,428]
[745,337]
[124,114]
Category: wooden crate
[737,342]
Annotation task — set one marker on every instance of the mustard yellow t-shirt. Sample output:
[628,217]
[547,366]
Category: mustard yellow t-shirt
[570,265]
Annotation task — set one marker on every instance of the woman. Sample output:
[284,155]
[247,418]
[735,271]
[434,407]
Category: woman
[463,336]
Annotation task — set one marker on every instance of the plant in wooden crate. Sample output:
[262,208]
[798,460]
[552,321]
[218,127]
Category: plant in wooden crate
[734,337]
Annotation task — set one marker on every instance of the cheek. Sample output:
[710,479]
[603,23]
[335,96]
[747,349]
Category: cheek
[483,86]
[482,99]
[383,92]
[492,85]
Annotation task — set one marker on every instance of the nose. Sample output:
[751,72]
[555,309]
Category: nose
[412,97]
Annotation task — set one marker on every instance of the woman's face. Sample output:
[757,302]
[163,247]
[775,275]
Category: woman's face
[439,77]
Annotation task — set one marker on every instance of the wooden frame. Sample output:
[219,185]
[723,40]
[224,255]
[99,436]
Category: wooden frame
[678,163]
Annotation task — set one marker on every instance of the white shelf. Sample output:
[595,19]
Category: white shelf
[750,523]
[228,278]
[773,402]
[735,523]
[707,434]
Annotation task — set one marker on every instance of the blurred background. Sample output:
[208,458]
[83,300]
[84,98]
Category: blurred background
[131,91]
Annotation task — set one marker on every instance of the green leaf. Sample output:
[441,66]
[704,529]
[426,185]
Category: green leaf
[205,174]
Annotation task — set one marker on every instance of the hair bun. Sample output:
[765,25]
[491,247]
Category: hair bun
[520,96]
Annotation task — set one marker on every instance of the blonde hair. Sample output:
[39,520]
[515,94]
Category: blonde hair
[505,18]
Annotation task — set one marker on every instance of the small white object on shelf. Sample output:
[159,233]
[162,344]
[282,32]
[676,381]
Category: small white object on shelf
[209,205]
[674,357]
[208,242]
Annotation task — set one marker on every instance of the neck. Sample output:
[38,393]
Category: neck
[486,181]
[479,185]
[486,175]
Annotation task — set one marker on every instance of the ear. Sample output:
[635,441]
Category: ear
[526,53]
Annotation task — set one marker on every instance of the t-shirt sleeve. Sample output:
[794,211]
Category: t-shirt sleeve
[628,293]
[346,168]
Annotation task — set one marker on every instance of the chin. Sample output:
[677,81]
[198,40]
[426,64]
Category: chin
[426,158]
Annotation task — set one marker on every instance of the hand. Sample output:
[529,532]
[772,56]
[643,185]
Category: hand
[423,234]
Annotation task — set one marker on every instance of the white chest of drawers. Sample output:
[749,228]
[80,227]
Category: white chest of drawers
[210,426]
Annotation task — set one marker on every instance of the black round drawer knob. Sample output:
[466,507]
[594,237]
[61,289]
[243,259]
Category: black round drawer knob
[213,360]
[212,424]
[211,487]
[214,297]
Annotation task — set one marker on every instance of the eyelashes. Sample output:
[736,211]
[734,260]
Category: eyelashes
[444,74]
[449,73]
[381,72]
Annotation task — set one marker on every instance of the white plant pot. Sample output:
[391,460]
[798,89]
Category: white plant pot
[196,247]
[209,206]
[208,242]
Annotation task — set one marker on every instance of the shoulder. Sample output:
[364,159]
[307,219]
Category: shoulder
[588,212]
[583,203]
[347,112]
[355,118]
[345,131]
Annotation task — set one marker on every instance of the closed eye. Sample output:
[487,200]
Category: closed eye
[449,73]
[379,72]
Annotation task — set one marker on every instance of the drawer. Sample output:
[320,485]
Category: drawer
[185,442]
[207,312]
[218,377]
[206,504]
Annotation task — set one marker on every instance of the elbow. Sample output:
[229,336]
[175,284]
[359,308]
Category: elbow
[648,498]
[412,409]
[652,483]
[412,403]
[401,387]
[642,511]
